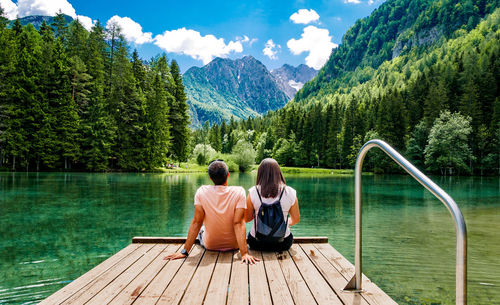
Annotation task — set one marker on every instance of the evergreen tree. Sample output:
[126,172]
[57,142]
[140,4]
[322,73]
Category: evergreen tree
[157,114]
[215,138]
[60,26]
[178,115]
[98,127]
[127,102]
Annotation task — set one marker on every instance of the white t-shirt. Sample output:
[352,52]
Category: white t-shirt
[287,200]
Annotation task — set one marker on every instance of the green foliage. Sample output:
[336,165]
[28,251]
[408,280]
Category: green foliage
[244,155]
[71,99]
[416,145]
[178,114]
[203,153]
[448,148]
[397,99]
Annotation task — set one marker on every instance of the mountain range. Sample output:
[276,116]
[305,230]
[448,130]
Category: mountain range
[240,88]
[37,21]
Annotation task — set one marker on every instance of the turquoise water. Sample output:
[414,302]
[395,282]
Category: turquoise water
[56,226]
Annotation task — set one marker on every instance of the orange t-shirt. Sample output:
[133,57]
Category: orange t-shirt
[219,203]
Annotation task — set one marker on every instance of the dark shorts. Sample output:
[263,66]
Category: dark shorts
[263,246]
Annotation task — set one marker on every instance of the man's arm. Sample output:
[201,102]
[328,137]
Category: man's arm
[240,231]
[194,229]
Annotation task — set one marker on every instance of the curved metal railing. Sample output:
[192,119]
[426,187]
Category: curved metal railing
[461,231]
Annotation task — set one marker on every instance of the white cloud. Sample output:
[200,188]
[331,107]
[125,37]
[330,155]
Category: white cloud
[317,42]
[131,30]
[193,44]
[305,16]
[87,22]
[245,39]
[45,7]
[9,9]
[271,49]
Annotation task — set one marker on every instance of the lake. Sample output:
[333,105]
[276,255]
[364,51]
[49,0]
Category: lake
[56,226]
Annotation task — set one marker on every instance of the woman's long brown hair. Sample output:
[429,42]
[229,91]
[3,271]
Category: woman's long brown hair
[269,178]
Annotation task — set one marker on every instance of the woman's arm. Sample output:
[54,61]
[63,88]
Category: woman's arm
[249,211]
[294,213]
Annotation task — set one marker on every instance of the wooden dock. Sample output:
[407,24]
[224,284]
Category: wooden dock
[311,272]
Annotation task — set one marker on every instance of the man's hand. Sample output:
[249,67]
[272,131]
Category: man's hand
[175,256]
[248,259]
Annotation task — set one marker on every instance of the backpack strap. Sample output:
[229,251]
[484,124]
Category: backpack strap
[287,214]
[282,191]
[256,212]
[258,194]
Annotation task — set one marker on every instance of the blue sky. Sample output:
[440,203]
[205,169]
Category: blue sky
[194,32]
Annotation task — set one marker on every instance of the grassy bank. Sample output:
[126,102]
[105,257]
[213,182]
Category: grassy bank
[183,168]
[195,168]
[317,171]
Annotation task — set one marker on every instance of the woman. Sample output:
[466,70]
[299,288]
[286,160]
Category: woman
[271,188]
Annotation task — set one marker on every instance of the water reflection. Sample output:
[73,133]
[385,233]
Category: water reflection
[56,226]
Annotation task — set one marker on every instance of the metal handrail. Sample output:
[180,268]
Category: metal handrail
[461,231]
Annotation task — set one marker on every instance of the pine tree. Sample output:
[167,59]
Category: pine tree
[65,109]
[98,128]
[28,118]
[7,69]
[215,138]
[157,114]
[178,115]
[77,37]
[127,102]
[60,26]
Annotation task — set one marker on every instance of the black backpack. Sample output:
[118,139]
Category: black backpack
[270,223]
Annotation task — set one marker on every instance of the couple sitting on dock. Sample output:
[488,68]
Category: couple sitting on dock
[220,213]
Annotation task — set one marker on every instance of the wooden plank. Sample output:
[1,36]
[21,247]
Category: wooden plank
[238,284]
[153,291]
[115,287]
[259,289]
[178,285]
[136,287]
[373,294]
[159,240]
[310,240]
[181,240]
[277,284]
[197,289]
[107,277]
[217,290]
[85,279]
[298,288]
[332,275]
[322,292]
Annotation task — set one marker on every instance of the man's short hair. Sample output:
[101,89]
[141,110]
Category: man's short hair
[217,170]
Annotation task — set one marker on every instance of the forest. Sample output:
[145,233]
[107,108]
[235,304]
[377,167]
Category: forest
[78,100]
[422,75]
[437,103]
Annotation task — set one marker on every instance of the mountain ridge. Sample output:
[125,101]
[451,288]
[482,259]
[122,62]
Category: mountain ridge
[239,88]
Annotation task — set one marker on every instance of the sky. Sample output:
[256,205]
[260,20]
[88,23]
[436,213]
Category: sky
[194,32]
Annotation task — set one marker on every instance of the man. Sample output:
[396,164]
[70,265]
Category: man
[221,208]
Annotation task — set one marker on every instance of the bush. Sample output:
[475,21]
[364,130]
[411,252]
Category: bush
[233,167]
[244,155]
[203,153]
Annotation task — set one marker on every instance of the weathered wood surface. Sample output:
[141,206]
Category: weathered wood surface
[309,273]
